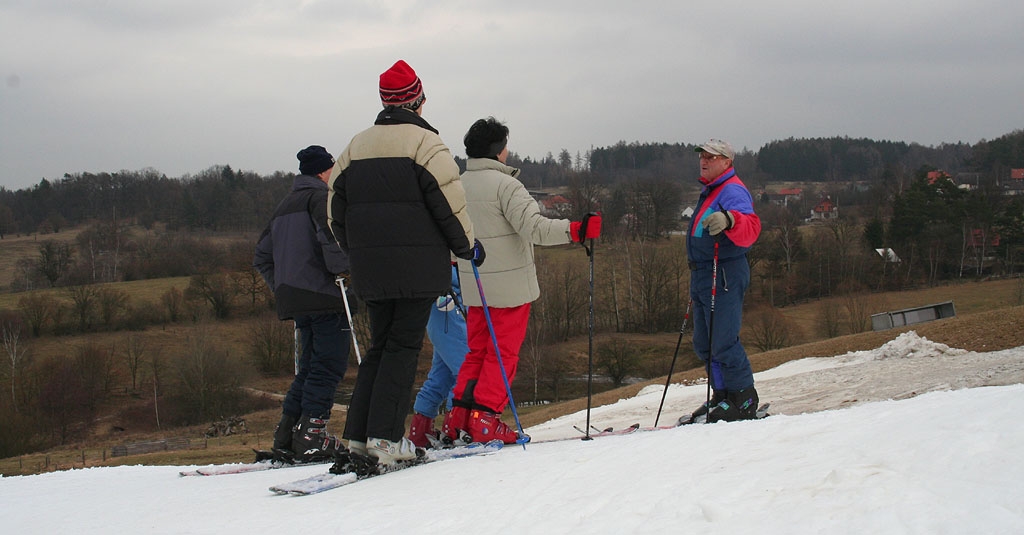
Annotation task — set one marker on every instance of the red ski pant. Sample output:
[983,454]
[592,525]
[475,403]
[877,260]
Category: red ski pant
[481,364]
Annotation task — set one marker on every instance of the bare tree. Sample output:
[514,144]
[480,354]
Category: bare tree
[111,302]
[531,355]
[16,354]
[55,259]
[207,380]
[619,359]
[156,368]
[571,293]
[858,313]
[770,329]
[272,343]
[38,309]
[830,318]
[83,303]
[134,349]
[249,282]
[173,301]
[215,290]
[657,284]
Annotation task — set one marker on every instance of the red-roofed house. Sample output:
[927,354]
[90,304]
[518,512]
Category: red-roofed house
[935,176]
[555,206]
[825,210]
[1015,186]
[785,196]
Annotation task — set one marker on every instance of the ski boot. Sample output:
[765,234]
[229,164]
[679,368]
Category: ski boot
[312,443]
[738,405]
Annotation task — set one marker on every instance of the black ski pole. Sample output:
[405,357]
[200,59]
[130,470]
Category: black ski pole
[675,355]
[590,342]
[711,329]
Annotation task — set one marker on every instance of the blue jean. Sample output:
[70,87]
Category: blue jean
[322,364]
[720,342]
[447,333]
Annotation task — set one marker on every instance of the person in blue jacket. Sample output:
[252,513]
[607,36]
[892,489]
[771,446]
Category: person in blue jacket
[299,259]
[725,226]
[446,329]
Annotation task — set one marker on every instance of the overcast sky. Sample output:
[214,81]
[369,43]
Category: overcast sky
[183,85]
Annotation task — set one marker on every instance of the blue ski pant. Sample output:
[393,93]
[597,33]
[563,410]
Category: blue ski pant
[720,342]
[322,364]
[447,332]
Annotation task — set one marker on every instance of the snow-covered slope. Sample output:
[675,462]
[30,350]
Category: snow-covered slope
[902,439]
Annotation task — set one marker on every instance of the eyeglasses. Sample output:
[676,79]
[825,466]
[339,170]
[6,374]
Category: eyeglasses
[709,156]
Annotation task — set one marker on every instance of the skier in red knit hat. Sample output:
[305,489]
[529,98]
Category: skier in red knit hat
[397,207]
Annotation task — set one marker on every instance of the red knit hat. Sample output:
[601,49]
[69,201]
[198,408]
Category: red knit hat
[400,85]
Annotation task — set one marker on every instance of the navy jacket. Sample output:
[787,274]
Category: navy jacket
[297,255]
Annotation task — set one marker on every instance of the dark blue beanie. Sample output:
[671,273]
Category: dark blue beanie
[314,160]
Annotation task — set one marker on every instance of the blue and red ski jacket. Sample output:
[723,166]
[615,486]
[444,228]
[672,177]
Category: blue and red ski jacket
[725,193]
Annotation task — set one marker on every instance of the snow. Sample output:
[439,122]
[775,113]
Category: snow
[913,437]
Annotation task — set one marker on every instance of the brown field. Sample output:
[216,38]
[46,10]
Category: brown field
[990,317]
[14,248]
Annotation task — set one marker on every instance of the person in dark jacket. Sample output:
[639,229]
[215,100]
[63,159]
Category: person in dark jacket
[723,227]
[299,260]
[397,207]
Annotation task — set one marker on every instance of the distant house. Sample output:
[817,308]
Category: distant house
[784,196]
[554,206]
[981,249]
[825,210]
[935,176]
[1015,186]
[968,180]
[687,213]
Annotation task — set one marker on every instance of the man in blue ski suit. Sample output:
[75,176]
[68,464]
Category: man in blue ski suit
[725,225]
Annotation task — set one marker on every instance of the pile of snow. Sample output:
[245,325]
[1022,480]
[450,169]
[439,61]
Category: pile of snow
[945,461]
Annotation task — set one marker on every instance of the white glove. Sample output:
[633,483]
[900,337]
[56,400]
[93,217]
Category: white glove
[719,221]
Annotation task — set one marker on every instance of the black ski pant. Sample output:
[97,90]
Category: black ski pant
[383,390]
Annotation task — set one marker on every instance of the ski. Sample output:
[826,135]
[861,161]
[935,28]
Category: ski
[762,412]
[607,432]
[328,480]
[265,460]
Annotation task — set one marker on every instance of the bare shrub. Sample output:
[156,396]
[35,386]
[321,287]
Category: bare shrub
[272,345]
[618,359]
[830,318]
[770,329]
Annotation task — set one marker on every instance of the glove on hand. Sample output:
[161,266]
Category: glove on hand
[588,228]
[478,253]
[719,221]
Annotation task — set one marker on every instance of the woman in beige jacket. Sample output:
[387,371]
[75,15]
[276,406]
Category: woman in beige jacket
[507,220]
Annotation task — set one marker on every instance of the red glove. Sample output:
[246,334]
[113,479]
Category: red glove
[589,228]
